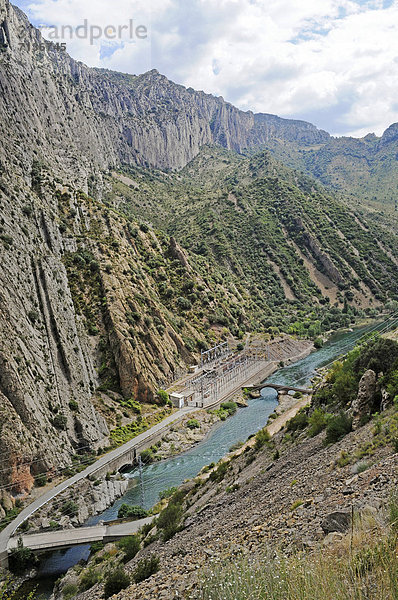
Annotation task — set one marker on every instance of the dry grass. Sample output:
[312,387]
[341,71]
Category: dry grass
[362,566]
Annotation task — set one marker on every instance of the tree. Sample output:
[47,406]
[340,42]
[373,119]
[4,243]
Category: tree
[21,558]
[163,397]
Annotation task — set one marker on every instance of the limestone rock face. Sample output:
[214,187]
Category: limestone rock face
[363,403]
[92,118]
[91,498]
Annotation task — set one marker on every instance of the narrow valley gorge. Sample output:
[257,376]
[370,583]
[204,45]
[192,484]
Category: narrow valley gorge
[143,223]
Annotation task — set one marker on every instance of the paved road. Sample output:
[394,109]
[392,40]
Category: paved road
[100,463]
[81,535]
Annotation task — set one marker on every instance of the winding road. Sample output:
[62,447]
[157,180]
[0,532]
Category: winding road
[27,512]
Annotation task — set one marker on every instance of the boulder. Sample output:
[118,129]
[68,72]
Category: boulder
[338,521]
[386,400]
[363,403]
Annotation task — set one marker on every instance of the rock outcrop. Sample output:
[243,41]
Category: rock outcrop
[338,521]
[74,506]
[363,404]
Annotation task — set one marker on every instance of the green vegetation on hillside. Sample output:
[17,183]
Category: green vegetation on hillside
[253,223]
[341,387]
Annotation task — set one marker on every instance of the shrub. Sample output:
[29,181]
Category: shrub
[69,591]
[167,493]
[361,467]
[27,210]
[298,422]
[146,568]
[21,558]
[134,512]
[73,405]
[96,547]
[70,508]
[337,427]
[60,422]
[317,422]
[296,504]
[33,316]
[232,488]
[41,479]
[262,438]
[169,520]
[318,342]
[115,582]
[236,446]
[230,407]
[344,459]
[147,456]
[183,303]
[193,424]
[219,473]
[89,579]
[130,546]
[163,397]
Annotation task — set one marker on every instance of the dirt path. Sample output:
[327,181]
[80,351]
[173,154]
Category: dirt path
[281,421]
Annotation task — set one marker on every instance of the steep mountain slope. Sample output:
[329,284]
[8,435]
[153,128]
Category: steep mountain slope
[284,235]
[85,309]
[292,496]
[82,119]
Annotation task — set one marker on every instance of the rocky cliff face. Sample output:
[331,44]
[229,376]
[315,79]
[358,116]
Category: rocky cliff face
[83,119]
[46,364]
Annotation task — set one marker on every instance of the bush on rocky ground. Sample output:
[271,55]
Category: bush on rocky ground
[116,581]
[130,546]
[337,427]
[130,511]
[146,568]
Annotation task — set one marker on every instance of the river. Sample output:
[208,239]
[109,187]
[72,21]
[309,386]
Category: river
[173,471]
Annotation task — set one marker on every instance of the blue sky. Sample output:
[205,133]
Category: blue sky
[331,62]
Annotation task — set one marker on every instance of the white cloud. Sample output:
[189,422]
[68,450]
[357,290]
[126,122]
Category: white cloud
[333,62]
